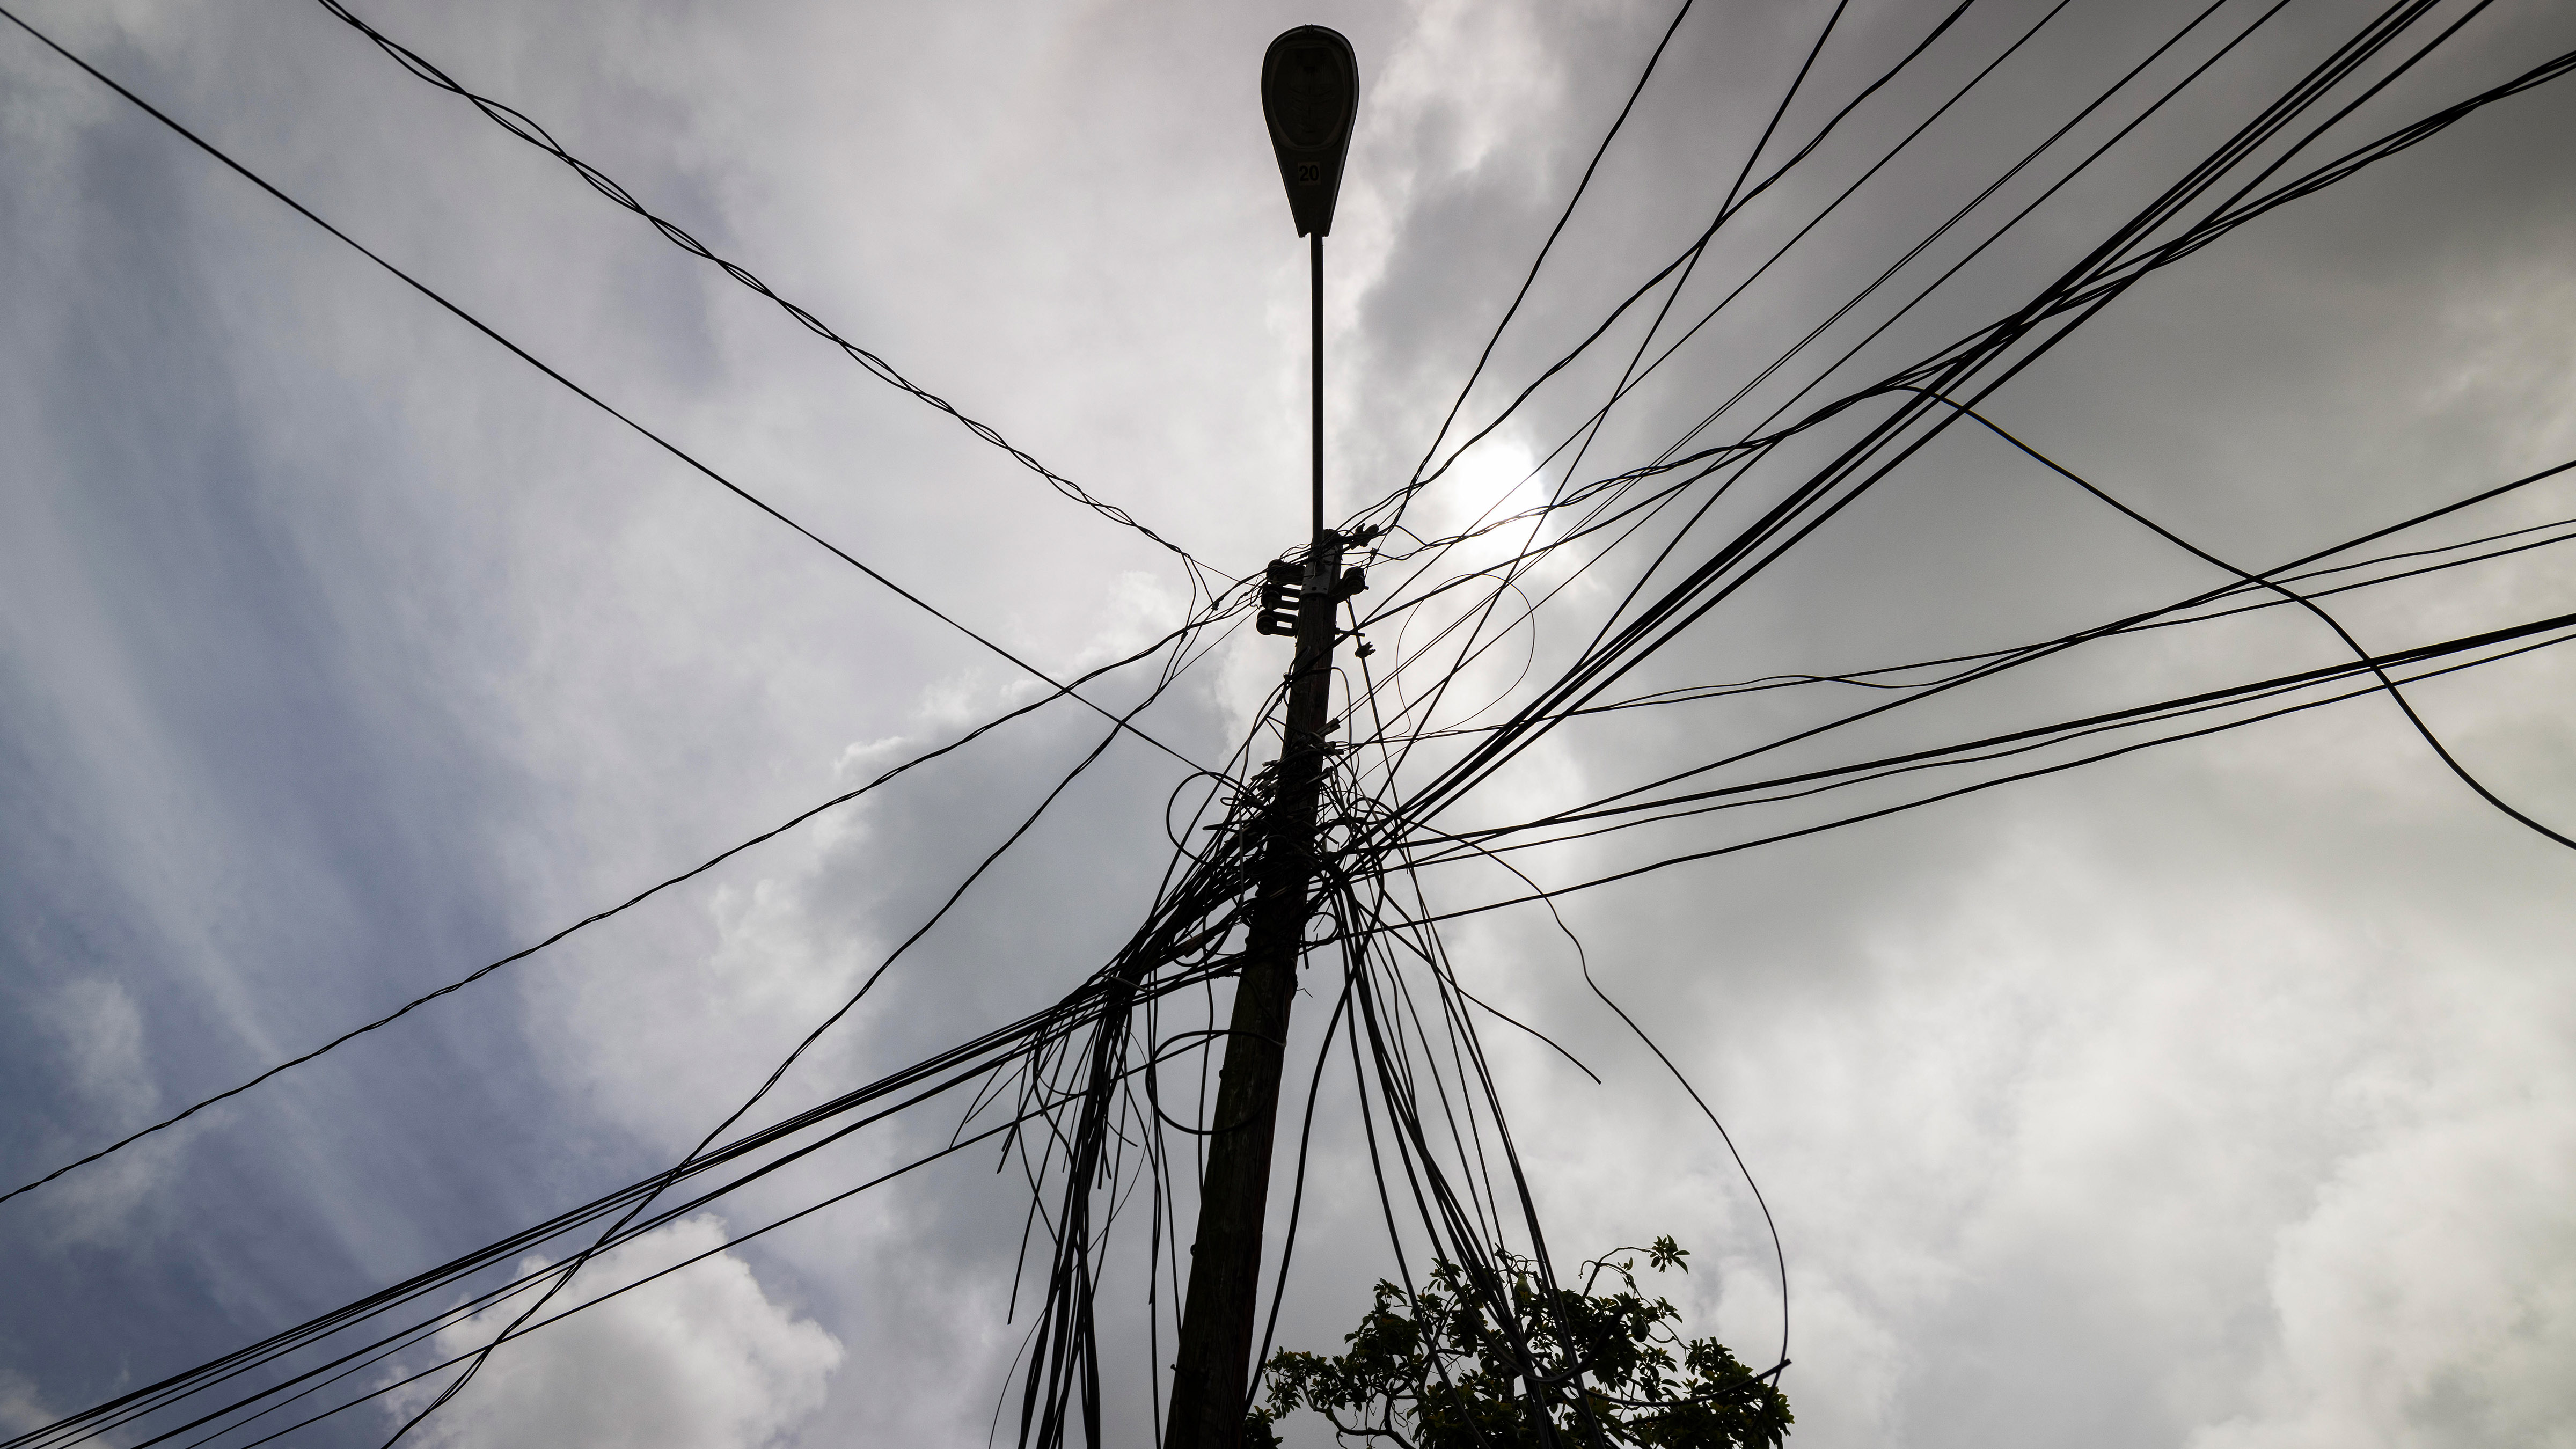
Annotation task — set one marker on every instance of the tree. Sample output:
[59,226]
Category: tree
[1511,1362]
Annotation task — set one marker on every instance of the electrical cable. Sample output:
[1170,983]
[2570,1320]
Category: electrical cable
[2397,657]
[1092,1131]
[692,873]
[575,388]
[2396,696]
[518,123]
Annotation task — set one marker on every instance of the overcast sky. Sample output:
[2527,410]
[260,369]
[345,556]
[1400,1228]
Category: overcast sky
[2222,1095]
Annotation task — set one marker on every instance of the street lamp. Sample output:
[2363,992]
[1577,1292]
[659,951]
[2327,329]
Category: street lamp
[1310,89]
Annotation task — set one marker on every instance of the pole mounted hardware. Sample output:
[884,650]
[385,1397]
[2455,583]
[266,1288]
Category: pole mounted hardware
[1310,92]
[1283,591]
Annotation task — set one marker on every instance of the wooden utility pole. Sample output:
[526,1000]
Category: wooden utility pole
[1309,94]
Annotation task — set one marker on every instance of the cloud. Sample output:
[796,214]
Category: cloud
[101,1037]
[20,1408]
[2430,1296]
[703,1359]
[2216,1092]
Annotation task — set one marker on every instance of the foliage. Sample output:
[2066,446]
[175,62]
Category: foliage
[1443,1370]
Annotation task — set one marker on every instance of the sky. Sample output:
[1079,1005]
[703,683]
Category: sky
[2217,1096]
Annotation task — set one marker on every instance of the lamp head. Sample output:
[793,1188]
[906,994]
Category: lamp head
[1310,93]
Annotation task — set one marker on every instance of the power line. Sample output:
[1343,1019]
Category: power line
[2396,696]
[1060,690]
[1992,663]
[518,123]
[1580,186]
[692,873]
[1825,492]
[1090,1133]
[2561,622]
[575,388]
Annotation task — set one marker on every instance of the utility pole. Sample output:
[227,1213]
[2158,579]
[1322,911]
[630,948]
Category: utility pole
[1309,95]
